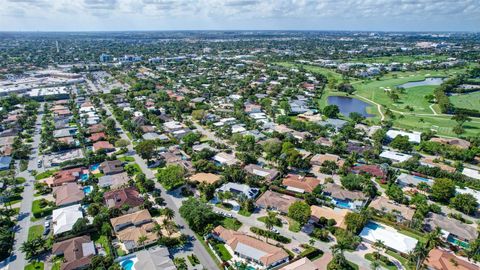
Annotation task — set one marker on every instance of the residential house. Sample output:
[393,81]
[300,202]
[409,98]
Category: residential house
[384,206]
[337,214]
[64,218]
[459,143]
[66,176]
[395,157]
[250,249]
[99,136]
[239,190]
[130,227]
[413,137]
[110,167]
[225,159]
[103,145]
[114,181]
[412,180]
[344,198]
[125,196]
[208,178]
[155,258]
[77,252]
[374,170]
[300,184]
[441,259]
[276,201]
[268,174]
[454,231]
[337,124]
[432,162]
[389,236]
[68,193]
[319,159]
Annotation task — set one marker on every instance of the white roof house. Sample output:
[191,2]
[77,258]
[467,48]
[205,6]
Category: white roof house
[374,232]
[414,137]
[237,189]
[395,156]
[471,173]
[224,158]
[64,218]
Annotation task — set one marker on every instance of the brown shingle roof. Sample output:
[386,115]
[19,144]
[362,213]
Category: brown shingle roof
[68,193]
[73,252]
[117,198]
[307,184]
[136,217]
[385,205]
[339,192]
[275,200]
[208,178]
[111,166]
[329,213]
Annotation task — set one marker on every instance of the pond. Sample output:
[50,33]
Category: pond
[427,81]
[348,105]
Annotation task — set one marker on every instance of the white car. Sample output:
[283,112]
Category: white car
[47,224]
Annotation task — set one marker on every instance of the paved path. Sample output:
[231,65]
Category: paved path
[17,260]
[197,247]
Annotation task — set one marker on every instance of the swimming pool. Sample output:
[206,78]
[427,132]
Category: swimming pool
[94,167]
[343,204]
[458,242]
[421,179]
[373,225]
[87,189]
[84,177]
[128,265]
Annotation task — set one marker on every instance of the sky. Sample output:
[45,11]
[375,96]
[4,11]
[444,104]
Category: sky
[118,15]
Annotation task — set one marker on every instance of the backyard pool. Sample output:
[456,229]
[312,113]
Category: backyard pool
[83,177]
[422,179]
[343,204]
[128,264]
[87,189]
[94,167]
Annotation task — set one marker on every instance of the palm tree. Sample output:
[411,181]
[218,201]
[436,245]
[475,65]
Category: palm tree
[378,245]
[434,239]
[418,255]
[375,264]
[311,241]
[169,226]
[169,213]
[141,240]
[157,229]
[270,221]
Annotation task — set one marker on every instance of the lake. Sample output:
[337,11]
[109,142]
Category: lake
[427,81]
[348,105]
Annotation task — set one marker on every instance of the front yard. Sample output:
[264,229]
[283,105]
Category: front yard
[35,231]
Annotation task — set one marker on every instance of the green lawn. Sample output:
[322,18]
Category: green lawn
[389,265]
[294,226]
[224,254]
[401,259]
[397,58]
[351,264]
[278,221]
[103,241]
[34,266]
[244,213]
[35,231]
[45,174]
[231,224]
[468,101]
[127,159]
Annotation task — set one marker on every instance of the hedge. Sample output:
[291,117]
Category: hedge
[271,235]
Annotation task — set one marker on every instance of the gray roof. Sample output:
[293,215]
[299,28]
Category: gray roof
[157,258]
[339,192]
[337,123]
[453,226]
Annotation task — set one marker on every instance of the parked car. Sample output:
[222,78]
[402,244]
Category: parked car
[46,231]
[47,224]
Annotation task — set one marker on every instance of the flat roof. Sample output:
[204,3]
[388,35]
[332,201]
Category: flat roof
[374,232]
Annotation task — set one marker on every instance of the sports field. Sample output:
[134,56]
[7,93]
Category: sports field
[468,101]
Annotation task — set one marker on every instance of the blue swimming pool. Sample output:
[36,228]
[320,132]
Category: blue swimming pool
[83,177]
[373,225]
[127,265]
[94,167]
[421,179]
[87,189]
[343,204]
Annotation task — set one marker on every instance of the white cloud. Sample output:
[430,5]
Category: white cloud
[243,14]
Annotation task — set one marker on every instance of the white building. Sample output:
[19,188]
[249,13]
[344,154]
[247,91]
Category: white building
[64,218]
[395,156]
[413,137]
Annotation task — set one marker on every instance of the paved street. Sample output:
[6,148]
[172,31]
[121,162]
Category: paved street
[197,247]
[17,260]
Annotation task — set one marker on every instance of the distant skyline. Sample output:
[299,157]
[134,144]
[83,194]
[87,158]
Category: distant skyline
[119,15]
